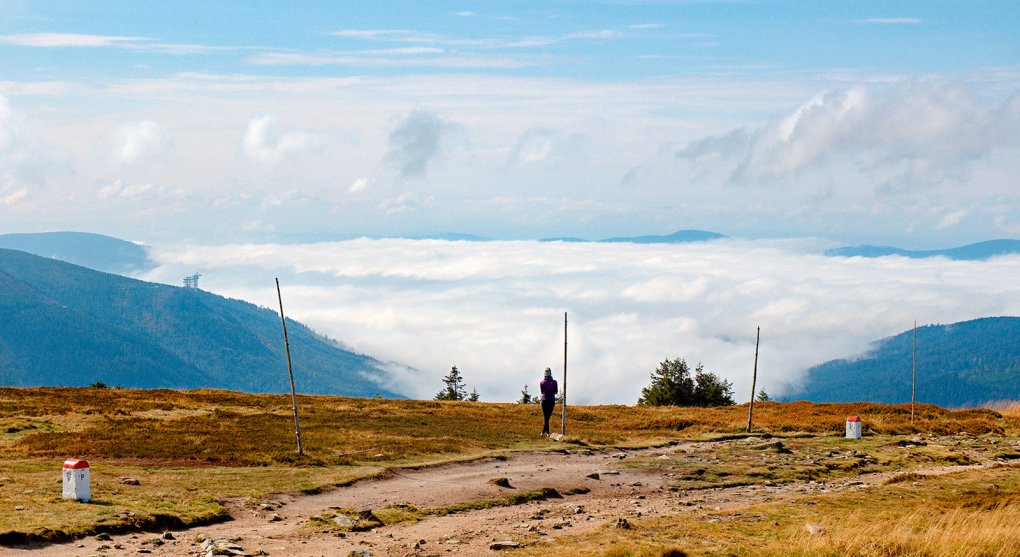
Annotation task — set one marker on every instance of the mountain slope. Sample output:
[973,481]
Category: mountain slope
[95,251]
[971,252]
[963,364]
[61,324]
[678,237]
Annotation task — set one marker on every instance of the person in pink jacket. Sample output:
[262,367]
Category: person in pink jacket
[549,388]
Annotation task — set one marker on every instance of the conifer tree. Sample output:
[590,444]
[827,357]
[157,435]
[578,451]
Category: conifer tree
[455,389]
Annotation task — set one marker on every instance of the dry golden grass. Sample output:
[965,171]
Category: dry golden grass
[971,513]
[194,449]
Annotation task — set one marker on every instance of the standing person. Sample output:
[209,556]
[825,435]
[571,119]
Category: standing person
[549,388]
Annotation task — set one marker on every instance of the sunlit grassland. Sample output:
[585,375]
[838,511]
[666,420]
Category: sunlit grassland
[193,450]
[974,512]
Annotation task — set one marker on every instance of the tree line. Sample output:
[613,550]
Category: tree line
[672,384]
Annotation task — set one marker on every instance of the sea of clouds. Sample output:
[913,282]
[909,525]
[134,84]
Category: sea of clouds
[496,309]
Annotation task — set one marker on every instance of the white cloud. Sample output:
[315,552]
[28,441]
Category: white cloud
[533,146]
[416,141]
[402,203]
[495,309]
[953,218]
[914,133]
[359,185]
[13,197]
[892,21]
[419,57]
[25,164]
[119,189]
[138,141]
[53,40]
[266,143]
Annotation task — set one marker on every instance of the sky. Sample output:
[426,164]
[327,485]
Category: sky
[866,121]
[247,140]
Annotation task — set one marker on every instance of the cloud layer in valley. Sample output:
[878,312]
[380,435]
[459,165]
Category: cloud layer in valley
[495,309]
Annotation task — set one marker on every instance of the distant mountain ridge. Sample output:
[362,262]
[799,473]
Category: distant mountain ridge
[963,364]
[972,252]
[62,324]
[95,251]
[678,237]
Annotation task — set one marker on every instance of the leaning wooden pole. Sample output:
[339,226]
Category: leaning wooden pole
[290,371]
[913,383]
[563,407]
[754,380]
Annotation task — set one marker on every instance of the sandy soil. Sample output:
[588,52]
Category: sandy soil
[619,492]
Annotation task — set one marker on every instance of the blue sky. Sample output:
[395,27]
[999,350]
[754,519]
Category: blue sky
[890,122]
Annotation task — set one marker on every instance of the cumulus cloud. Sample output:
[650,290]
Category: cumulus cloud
[917,131]
[25,164]
[495,309]
[416,141]
[266,143]
[138,141]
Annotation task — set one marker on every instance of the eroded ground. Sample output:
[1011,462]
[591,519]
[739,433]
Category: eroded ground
[460,509]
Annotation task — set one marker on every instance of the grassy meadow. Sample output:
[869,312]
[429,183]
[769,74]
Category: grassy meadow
[194,450]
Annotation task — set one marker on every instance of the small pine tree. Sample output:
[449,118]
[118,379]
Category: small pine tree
[673,385]
[455,389]
[763,396]
[525,396]
[473,397]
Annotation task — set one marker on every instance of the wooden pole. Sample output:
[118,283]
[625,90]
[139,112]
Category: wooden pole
[563,418]
[913,384]
[754,380]
[290,371]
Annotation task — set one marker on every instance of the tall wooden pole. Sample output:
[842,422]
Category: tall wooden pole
[563,418]
[290,371]
[913,384]
[754,380]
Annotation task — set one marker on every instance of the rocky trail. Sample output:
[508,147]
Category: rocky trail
[595,489]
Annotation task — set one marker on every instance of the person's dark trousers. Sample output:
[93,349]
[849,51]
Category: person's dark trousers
[547,409]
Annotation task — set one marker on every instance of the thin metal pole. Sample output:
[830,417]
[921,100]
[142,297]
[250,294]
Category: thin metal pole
[290,371]
[754,380]
[913,384]
[563,418]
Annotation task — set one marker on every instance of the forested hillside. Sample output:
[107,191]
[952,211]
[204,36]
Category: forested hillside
[61,324]
[962,364]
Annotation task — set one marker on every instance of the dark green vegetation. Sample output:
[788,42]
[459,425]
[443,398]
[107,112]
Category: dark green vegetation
[61,324]
[454,388]
[94,251]
[971,252]
[674,385]
[963,364]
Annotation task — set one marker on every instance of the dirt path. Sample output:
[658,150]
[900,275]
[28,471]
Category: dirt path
[617,490]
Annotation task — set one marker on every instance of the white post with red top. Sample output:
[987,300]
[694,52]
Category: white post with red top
[853,427]
[76,480]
